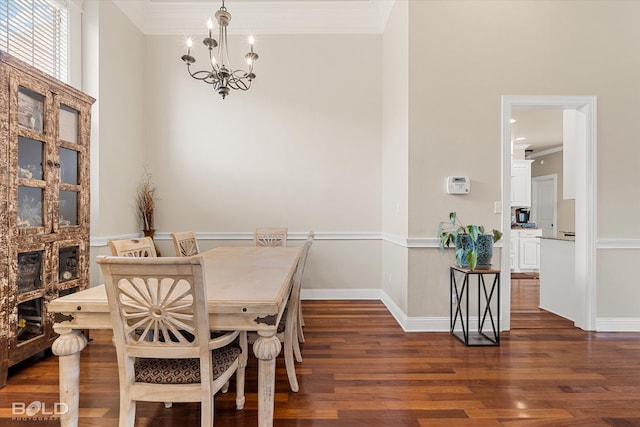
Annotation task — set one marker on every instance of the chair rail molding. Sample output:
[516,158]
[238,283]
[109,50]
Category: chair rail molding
[618,244]
[405,242]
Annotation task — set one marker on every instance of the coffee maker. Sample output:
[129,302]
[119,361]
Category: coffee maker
[522,215]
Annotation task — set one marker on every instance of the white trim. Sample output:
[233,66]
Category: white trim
[618,244]
[618,324]
[423,242]
[395,310]
[74,42]
[101,241]
[586,200]
[187,18]
[427,324]
[248,235]
[395,239]
[405,242]
[441,324]
[341,294]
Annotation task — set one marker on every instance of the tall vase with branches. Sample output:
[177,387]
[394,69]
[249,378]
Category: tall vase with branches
[146,204]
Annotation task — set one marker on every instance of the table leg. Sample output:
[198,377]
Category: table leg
[266,348]
[68,346]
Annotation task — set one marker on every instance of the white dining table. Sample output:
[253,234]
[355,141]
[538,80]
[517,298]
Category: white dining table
[247,289]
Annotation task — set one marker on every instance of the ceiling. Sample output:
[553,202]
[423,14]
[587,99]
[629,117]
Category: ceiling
[186,18]
[542,129]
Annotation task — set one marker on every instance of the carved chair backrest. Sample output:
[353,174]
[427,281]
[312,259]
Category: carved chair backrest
[270,236]
[185,243]
[162,298]
[142,247]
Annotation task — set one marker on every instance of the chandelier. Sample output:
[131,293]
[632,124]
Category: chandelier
[222,76]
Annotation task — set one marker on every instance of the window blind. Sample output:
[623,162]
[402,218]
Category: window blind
[36,32]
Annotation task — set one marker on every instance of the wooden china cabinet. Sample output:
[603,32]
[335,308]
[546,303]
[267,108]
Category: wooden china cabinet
[44,204]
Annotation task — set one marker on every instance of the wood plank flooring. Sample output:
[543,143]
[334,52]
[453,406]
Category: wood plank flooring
[361,369]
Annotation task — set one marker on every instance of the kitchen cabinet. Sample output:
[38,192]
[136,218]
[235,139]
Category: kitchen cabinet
[525,250]
[44,204]
[521,183]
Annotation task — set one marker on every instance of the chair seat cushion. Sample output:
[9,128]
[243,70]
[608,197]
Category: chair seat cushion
[184,371]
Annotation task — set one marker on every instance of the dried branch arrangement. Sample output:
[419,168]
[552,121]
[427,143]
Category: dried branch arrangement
[146,201]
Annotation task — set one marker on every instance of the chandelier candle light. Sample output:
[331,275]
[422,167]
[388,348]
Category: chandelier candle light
[222,76]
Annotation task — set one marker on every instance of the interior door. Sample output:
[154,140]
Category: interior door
[544,209]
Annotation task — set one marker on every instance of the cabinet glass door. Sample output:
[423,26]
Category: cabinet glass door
[68,166]
[68,208]
[30,110]
[68,264]
[30,155]
[68,124]
[30,320]
[30,266]
[30,202]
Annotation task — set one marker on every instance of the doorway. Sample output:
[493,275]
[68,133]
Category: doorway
[544,202]
[585,201]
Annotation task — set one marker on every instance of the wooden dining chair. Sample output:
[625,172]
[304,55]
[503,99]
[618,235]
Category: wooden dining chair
[185,243]
[139,247]
[310,236]
[166,299]
[270,236]
[288,327]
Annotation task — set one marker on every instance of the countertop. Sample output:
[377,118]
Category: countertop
[562,238]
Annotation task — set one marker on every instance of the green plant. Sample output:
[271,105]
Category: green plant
[449,232]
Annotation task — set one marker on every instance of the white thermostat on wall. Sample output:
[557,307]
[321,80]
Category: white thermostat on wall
[458,185]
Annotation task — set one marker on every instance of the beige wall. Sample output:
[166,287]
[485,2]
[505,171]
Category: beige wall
[117,160]
[566,207]
[301,149]
[465,55]
[317,144]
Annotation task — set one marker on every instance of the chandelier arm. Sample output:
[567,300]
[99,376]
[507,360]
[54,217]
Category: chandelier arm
[203,75]
[240,80]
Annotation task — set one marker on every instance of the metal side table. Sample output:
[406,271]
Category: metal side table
[487,330]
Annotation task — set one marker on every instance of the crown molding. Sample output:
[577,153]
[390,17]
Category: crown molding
[188,18]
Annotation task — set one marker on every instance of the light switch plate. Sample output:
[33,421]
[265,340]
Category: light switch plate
[497,207]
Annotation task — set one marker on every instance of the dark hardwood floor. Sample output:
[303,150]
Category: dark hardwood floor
[361,369]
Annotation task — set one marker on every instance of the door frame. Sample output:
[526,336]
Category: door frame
[585,205]
[534,192]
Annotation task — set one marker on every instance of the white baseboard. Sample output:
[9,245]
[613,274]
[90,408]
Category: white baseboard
[417,324]
[345,294]
[618,324]
[439,324]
